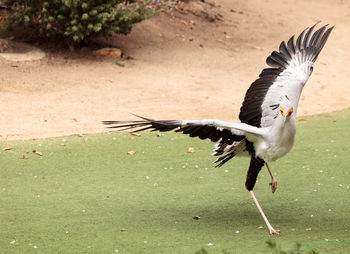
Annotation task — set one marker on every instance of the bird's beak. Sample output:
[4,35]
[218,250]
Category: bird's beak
[285,118]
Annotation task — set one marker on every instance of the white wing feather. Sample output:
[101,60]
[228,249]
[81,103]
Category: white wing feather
[240,129]
[291,83]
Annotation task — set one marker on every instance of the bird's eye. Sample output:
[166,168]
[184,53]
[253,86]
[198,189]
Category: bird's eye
[290,112]
[282,111]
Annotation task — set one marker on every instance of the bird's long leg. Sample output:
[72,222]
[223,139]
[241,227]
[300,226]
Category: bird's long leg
[273,179]
[271,229]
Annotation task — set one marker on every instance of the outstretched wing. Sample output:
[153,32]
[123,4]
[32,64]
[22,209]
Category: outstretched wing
[291,68]
[204,129]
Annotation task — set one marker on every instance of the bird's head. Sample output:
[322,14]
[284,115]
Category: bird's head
[286,112]
[286,108]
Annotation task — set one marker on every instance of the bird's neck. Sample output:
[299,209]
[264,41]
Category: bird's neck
[284,123]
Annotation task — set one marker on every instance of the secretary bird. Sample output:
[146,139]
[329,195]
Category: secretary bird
[267,128]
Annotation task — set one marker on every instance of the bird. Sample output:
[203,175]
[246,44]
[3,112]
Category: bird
[267,128]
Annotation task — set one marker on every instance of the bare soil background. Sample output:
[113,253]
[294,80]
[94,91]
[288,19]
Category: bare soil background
[176,65]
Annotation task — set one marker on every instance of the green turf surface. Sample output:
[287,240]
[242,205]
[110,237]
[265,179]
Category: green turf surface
[90,196]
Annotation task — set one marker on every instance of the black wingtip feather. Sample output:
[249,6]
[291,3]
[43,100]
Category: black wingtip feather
[284,50]
[307,35]
[316,36]
[299,44]
[142,117]
[291,44]
[324,38]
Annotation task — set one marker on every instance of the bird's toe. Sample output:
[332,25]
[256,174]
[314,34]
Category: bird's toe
[274,232]
[273,185]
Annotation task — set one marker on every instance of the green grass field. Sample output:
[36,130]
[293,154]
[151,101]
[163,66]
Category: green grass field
[87,195]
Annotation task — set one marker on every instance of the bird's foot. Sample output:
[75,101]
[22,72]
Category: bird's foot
[273,185]
[274,232]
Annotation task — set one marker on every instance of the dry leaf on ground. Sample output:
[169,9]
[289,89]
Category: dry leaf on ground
[38,153]
[184,22]
[191,150]
[132,152]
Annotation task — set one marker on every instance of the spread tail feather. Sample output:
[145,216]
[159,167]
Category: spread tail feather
[228,151]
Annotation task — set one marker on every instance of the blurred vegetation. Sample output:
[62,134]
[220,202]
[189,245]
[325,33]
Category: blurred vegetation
[78,21]
[275,249]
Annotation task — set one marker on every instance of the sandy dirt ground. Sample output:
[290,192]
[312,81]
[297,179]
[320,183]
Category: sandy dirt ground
[182,66]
